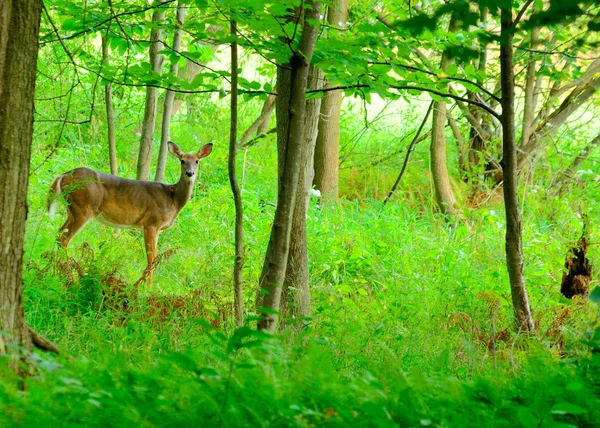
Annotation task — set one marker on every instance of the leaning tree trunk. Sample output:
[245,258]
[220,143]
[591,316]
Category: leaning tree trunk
[327,149]
[439,169]
[238,264]
[265,115]
[295,75]
[295,300]
[514,247]
[19,30]
[169,97]
[143,166]
[110,114]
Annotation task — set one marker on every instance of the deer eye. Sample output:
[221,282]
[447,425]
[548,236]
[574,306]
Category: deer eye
[197,161]
[182,161]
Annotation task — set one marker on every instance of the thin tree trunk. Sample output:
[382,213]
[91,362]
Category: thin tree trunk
[409,151]
[169,97]
[143,166]
[275,265]
[327,149]
[238,300]
[110,115]
[514,247]
[295,300]
[19,31]
[439,169]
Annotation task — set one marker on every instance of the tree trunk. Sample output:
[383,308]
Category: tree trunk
[296,77]
[295,300]
[238,300]
[168,104]
[327,149]
[19,30]
[514,248]
[143,166]
[530,91]
[439,169]
[110,115]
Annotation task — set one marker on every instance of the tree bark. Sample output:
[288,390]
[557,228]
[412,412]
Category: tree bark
[295,300]
[144,157]
[110,115]
[19,30]
[238,300]
[275,264]
[437,150]
[327,149]
[514,247]
[168,103]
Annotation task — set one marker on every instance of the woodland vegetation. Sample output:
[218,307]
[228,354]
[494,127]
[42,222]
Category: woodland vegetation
[396,225]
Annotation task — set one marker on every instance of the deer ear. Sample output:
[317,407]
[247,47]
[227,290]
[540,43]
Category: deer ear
[175,150]
[205,151]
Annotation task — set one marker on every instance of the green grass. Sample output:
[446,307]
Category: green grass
[411,318]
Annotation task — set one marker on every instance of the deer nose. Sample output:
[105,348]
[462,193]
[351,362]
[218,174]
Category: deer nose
[189,173]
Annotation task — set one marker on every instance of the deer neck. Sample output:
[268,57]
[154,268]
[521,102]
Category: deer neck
[183,191]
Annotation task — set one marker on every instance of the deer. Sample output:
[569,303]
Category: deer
[120,202]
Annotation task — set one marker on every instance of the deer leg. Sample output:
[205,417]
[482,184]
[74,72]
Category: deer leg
[76,220]
[151,241]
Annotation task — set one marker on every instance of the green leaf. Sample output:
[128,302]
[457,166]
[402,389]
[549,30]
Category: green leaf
[565,408]
[595,295]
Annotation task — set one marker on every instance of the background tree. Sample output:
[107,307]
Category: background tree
[169,97]
[326,164]
[437,150]
[156,60]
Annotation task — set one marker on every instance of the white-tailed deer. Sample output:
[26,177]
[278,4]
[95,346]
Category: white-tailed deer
[120,202]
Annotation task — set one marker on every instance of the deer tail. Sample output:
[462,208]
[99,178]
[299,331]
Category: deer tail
[53,195]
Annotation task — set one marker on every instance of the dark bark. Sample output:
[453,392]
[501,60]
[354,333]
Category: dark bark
[408,153]
[168,102]
[156,59]
[514,247]
[275,264]
[238,301]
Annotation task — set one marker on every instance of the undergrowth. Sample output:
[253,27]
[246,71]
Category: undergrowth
[412,321]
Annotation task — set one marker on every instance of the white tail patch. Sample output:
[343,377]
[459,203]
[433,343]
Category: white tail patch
[54,198]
